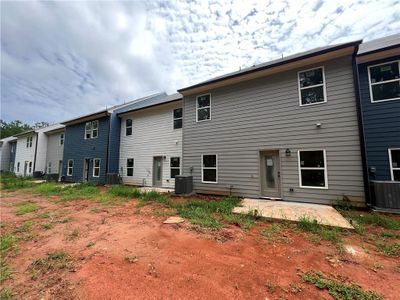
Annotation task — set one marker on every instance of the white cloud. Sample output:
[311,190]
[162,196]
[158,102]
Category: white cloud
[70,58]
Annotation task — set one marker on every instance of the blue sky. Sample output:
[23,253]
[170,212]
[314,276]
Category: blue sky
[63,59]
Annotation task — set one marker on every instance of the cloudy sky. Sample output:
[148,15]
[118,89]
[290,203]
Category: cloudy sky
[63,59]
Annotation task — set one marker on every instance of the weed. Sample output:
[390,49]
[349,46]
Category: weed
[375,219]
[243,221]
[9,181]
[26,208]
[389,249]
[131,259]
[387,234]
[344,203]
[295,288]
[90,245]
[63,221]
[397,268]
[338,289]
[5,272]
[271,231]
[81,191]
[72,235]
[376,266]
[7,242]
[25,227]
[6,294]
[43,215]
[270,286]
[48,189]
[359,228]
[47,226]
[156,197]
[124,191]
[53,261]
[311,225]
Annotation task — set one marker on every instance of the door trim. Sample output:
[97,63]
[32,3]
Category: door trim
[260,170]
[161,158]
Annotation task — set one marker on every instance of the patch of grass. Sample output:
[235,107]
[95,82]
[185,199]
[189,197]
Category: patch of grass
[47,226]
[43,215]
[6,294]
[54,261]
[72,235]
[124,191]
[79,192]
[295,288]
[48,189]
[156,197]
[243,221]
[271,286]
[397,268]
[25,227]
[391,235]
[7,242]
[338,289]
[311,225]
[389,249]
[374,218]
[26,208]
[9,181]
[5,272]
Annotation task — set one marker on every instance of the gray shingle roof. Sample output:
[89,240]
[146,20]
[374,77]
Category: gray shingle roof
[379,44]
[145,103]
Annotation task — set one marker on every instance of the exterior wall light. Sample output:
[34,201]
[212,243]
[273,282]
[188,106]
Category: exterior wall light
[288,152]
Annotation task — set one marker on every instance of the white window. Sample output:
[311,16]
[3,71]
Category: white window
[384,81]
[12,148]
[49,168]
[175,166]
[312,169]
[129,166]
[203,107]
[18,164]
[312,86]
[61,138]
[96,167]
[70,167]
[30,168]
[394,158]
[178,118]
[92,129]
[29,140]
[209,168]
[128,130]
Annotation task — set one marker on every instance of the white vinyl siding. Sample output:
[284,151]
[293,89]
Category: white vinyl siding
[55,151]
[384,81]
[24,153]
[152,135]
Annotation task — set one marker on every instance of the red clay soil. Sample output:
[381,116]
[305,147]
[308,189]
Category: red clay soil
[123,254]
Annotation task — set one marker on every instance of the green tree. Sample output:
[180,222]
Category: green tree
[12,128]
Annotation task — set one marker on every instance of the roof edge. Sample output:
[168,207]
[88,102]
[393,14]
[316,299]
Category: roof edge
[150,106]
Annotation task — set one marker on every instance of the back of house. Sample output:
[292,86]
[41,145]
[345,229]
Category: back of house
[287,129]
[379,66]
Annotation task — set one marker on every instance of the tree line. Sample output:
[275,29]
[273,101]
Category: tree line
[14,127]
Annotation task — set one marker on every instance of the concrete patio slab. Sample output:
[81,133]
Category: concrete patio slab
[292,211]
[156,189]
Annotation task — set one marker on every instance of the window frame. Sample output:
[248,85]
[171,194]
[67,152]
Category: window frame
[91,130]
[325,168]
[30,167]
[173,118]
[175,168]
[29,141]
[68,167]
[391,163]
[18,165]
[197,108]
[370,84]
[94,167]
[317,85]
[133,166]
[209,168]
[62,136]
[126,127]
[49,167]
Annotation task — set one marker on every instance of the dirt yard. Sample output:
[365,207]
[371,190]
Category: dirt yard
[87,250]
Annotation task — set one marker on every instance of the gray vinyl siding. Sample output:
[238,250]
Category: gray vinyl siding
[264,114]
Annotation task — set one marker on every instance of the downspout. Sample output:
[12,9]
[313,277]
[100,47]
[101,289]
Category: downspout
[108,144]
[34,157]
[361,127]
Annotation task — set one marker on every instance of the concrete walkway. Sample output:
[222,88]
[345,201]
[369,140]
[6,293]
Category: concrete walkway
[156,189]
[293,211]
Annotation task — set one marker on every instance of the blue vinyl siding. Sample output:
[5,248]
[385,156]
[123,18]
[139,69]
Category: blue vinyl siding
[381,125]
[78,148]
[113,155]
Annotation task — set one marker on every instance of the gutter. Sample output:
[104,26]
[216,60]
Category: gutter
[150,106]
[34,158]
[361,127]
[379,50]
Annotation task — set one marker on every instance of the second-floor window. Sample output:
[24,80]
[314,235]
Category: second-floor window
[384,81]
[128,130]
[61,138]
[177,118]
[312,86]
[29,140]
[203,107]
[91,129]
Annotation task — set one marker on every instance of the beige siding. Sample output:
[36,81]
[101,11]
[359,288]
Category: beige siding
[54,152]
[265,114]
[152,135]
